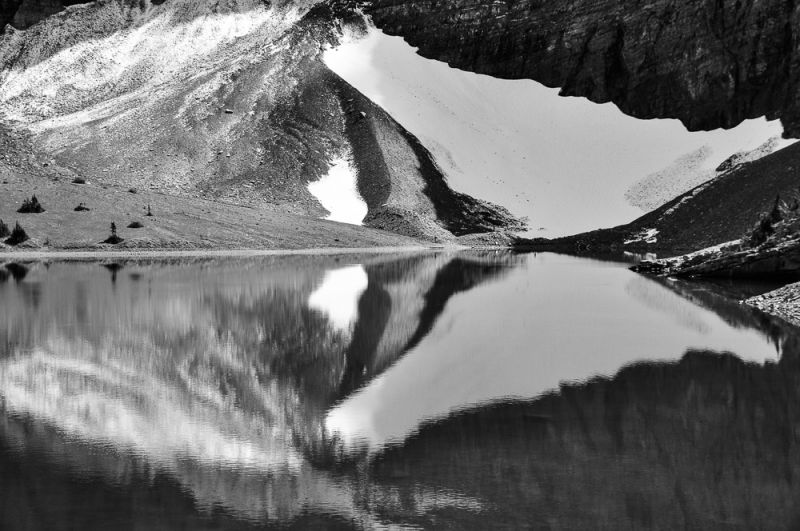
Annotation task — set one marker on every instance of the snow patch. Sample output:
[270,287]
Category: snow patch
[338,295]
[338,193]
[565,163]
[706,251]
[646,236]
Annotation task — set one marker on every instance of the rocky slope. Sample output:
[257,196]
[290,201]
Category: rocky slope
[226,101]
[771,248]
[709,64]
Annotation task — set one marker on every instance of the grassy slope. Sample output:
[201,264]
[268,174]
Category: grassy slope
[178,222]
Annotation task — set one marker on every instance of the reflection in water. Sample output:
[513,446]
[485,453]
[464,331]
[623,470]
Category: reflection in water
[339,294]
[421,390]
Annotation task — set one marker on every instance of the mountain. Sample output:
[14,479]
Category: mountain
[217,385]
[567,164]
[226,101]
[313,108]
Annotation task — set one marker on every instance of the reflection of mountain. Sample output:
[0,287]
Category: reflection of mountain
[215,377]
[394,322]
[707,442]
[200,396]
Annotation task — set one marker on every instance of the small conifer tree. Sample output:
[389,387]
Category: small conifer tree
[18,235]
[114,238]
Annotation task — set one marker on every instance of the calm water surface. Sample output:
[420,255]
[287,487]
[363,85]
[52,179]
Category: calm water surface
[447,391]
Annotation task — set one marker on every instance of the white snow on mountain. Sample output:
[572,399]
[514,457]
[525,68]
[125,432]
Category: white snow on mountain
[338,193]
[566,163]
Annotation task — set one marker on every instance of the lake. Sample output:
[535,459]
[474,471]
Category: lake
[441,390]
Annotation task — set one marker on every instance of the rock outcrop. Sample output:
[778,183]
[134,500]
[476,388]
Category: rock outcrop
[708,63]
[23,14]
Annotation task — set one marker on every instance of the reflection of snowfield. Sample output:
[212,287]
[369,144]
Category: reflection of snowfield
[337,297]
[558,319]
[566,163]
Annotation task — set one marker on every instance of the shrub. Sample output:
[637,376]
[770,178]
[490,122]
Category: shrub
[81,208]
[31,206]
[135,225]
[5,232]
[18,235]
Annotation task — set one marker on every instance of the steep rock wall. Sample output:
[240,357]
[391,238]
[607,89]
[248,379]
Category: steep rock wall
[711,63]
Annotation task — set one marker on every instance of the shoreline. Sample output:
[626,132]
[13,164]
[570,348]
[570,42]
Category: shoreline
[215,253]
[783,302]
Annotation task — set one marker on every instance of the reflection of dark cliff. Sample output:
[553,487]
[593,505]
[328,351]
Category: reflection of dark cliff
[706,442]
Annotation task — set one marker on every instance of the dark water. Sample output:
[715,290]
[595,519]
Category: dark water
[447,391]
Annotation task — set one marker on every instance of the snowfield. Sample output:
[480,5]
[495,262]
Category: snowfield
[566,163]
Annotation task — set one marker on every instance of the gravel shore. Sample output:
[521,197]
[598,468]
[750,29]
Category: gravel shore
[783,302]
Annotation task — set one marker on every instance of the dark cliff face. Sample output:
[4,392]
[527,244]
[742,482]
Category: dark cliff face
[24,13]
[708,63]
